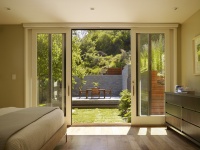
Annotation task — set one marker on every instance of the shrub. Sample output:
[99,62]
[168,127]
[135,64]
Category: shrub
[125,104]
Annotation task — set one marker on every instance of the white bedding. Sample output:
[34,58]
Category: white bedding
[35,135]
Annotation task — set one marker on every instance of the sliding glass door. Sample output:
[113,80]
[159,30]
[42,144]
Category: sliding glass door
[51,76]
[150,73]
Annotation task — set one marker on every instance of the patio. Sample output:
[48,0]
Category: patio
[107,102]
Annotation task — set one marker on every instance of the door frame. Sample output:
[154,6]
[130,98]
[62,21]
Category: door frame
[170,77]
[30,28]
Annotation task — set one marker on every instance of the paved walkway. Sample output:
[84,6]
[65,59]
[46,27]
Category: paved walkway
[95,102]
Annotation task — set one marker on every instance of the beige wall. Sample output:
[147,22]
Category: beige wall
[11,62]
[190,29]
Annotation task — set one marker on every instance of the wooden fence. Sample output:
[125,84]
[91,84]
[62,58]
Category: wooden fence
[114,71]
[157,95]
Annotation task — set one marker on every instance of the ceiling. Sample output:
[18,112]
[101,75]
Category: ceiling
[130,11]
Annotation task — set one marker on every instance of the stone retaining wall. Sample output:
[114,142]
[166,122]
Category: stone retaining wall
[113,82]
[116,83]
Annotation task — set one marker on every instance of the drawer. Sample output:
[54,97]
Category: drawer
[191,103]
[191,130]
[173,110]
[191,116]
[173,99]
[174,121]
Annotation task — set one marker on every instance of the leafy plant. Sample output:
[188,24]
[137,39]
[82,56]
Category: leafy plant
[78,68]
[125,104]
[157,53]
[100,49]
[43,73]
[96,84]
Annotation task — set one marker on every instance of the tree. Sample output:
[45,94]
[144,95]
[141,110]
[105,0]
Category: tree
[101,49]
[157,52]
[108,41]
[43,57]
[78,69]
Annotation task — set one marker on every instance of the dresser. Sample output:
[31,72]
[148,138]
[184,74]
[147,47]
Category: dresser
[183,114]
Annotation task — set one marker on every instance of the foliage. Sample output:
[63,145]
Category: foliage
[96,84]
[43,60]
[198,52]
[77,62]
[120,60]
[101,49]
[125,104]
[91,53]
[157,53]
[42,56]
[108,41]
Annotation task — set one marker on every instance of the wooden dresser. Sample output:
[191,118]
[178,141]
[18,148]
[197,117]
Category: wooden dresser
[183,114]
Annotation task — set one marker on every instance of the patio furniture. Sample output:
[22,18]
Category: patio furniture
[81,92]
[95,91]
[100,90]
[109,91]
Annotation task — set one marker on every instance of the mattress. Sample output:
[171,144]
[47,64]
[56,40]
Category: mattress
[35,135]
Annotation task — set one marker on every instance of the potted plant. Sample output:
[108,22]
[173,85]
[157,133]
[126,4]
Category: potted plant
[96,84]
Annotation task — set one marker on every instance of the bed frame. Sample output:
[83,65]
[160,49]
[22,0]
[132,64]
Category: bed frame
[53,141]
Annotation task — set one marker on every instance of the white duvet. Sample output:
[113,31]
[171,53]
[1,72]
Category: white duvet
[35,135]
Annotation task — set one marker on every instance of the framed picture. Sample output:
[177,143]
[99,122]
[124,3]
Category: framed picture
[196,49]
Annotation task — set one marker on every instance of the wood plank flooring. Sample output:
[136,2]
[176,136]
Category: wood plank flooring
[124,138]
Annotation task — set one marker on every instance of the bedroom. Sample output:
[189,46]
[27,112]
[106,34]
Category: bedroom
[12,34]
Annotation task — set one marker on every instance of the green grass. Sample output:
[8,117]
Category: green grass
[96,115]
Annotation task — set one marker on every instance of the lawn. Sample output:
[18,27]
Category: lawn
[96,115]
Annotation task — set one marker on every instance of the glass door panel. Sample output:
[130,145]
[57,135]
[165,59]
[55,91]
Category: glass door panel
[50,69]
[143,73]
[151,73]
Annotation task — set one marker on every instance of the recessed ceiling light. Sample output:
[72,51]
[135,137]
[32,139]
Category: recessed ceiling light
[175,8]
[7,8]
[92,8]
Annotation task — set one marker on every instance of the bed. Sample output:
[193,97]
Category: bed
[43,127]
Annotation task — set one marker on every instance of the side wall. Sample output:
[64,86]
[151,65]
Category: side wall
[11,62]
[190,29]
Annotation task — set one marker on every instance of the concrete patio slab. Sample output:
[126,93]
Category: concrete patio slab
[95,102]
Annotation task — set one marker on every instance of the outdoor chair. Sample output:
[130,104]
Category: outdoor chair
[95,91]
[109,91]
[81,92]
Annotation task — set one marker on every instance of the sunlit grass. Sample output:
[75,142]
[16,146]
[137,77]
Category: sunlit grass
[96,115]
[41,105]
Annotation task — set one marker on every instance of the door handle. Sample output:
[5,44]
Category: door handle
[68,90]
[133,88]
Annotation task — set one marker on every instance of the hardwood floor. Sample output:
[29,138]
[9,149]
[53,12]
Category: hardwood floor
[124,138]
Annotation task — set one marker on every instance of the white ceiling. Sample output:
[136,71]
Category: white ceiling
[130,11]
